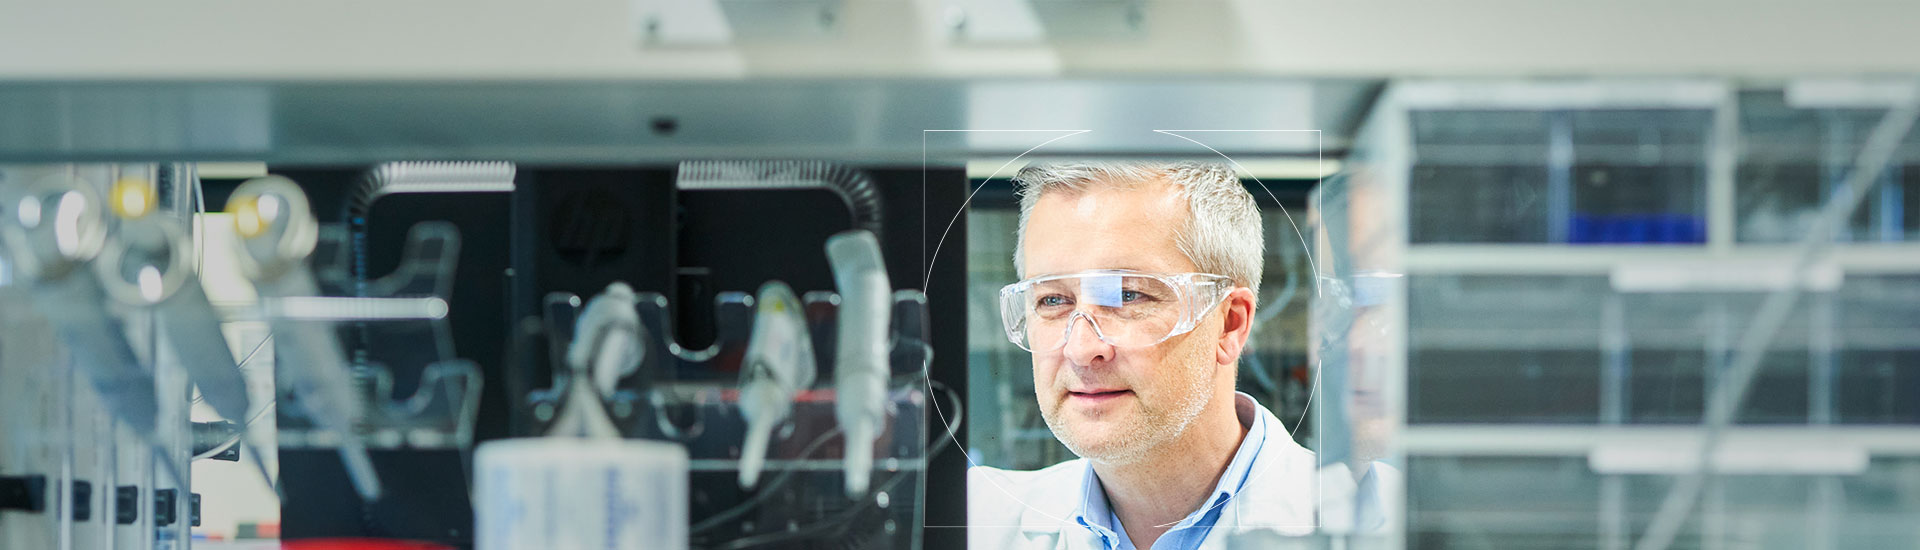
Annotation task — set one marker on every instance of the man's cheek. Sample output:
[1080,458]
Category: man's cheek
[1043,385]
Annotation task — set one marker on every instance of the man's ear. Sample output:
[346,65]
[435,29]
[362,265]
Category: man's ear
[1236,326]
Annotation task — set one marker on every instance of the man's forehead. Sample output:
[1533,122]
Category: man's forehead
[1122,265]
[1131,227]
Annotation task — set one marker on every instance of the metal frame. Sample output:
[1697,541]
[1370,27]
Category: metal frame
[602,122]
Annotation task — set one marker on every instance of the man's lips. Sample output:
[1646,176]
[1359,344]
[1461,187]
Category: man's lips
[1098,394]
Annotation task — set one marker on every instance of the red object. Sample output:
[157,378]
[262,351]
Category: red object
[360,544]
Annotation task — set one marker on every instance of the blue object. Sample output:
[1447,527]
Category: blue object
[1636,229]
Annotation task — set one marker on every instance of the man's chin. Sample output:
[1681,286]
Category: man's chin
[1098,423]
[1110,453]
[1099,440]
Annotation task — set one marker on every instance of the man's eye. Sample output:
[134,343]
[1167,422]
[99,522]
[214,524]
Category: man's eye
[1052,300]
[1130,296]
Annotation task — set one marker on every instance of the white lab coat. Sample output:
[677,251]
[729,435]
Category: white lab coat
[1009,509]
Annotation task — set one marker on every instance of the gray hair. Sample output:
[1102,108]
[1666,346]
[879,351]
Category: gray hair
[1222,233]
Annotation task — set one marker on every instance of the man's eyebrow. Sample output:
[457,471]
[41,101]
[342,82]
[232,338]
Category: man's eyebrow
[1053,283]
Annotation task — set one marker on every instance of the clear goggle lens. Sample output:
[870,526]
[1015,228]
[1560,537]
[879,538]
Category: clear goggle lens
[1125,309]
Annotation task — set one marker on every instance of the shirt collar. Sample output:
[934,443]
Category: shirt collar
[1252,418]
[1096,514]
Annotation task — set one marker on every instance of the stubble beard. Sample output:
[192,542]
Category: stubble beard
[1149,428]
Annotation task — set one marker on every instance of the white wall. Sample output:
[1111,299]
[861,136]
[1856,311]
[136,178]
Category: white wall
[602,39]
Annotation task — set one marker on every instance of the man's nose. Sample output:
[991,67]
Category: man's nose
[1084,346]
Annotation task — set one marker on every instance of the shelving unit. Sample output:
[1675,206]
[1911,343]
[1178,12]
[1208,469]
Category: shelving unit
[1567,292]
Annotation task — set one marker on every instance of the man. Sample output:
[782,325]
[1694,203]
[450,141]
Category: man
[1137,298]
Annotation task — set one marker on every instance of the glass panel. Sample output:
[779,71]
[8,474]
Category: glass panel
[1592,176]
[1796,158]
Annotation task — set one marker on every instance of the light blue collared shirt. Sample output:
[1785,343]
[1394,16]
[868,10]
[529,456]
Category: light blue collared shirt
[1097,515]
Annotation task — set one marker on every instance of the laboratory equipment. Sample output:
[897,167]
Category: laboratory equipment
[855,189]
[582,486]
[606,345]
[679,327]
[779,364]
[860,369]
[55,227]
[714,419]
[569,493]
[85,461]
[278,232]
[149,263]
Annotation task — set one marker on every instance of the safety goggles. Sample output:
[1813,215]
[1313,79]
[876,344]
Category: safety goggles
[1124,308]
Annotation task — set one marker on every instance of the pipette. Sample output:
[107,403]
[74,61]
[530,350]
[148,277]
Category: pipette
[861,368]
[606,346]
[278,232]
[54,226]
[148,263]
[779,363]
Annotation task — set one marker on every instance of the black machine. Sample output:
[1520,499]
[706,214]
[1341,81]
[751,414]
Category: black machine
[691,233]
